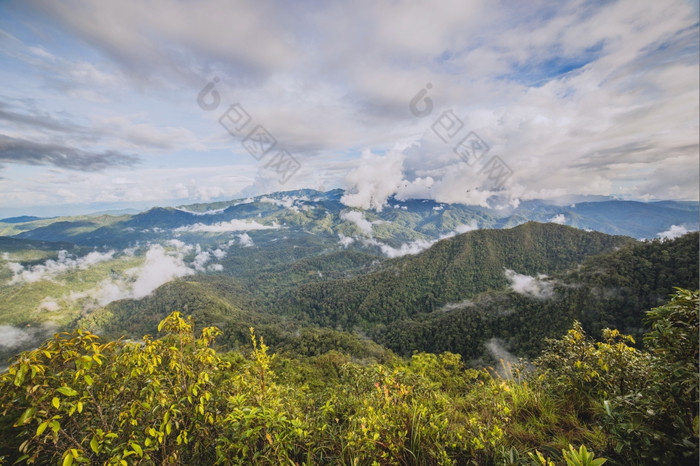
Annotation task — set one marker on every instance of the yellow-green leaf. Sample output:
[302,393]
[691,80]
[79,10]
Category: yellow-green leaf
[42,427]
[68,460]
[56,402]
[95,444]
[66,390]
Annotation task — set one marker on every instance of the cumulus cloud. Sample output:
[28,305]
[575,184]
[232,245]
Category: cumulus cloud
[358,219]
[181,245]
[288,202]
[345,241]
[406,249]
[159,268]
[65,262]
[559,219]
[222,227]
[460,229]
[200,261]
[106,292]
[526,285]
[245,240]
[674,232]
[374,180]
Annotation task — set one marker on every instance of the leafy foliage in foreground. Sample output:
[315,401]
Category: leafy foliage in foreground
[175,400]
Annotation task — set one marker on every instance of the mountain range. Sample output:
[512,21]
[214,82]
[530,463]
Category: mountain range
[414,275]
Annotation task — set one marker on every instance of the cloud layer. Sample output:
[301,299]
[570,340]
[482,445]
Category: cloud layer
[574,97]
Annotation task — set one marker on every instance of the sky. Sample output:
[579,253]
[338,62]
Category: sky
[131,104]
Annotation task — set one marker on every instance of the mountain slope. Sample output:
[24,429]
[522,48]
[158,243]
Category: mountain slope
[452,270]
[611,290]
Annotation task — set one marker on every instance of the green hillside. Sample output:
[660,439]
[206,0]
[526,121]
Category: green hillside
[452,270]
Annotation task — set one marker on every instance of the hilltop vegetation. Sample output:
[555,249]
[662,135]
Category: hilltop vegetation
[176,400]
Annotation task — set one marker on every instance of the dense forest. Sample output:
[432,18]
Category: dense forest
[452,297]
[177,399]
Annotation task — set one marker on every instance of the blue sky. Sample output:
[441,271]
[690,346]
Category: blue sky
[99,101]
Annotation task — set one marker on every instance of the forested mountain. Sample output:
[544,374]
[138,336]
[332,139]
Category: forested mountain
[452,270]
[610,290]
[481,294]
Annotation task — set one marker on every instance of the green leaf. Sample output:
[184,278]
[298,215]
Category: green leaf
[19,378]
[42,427]
[56,402]
[137,449]
[25,417]
[20,459]
[95,444]
[68,460]
[66,390]
[55,426]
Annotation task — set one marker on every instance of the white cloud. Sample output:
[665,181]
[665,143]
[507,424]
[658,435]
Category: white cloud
[674,232]
[233,225]
[181,245]
[411,248]
[65,262]
[206,212]
[559,219]
[11,337]
[460,229]
[601,95]
[245,240]
[374,180]
[358,219]
[159,268]
[466,227]
[345,241]
[108,291]
[200,261]
[286,201]
[49,304]
[526,285]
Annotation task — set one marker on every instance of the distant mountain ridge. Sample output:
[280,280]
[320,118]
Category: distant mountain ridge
[309,212]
